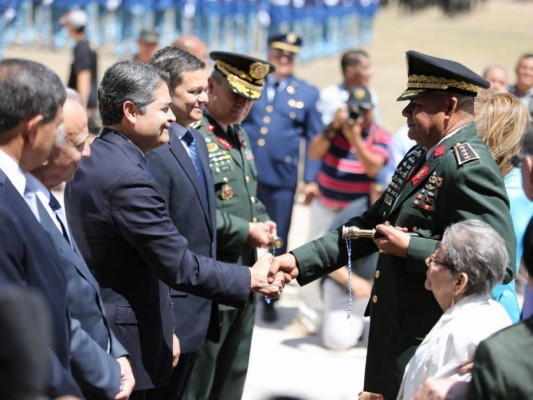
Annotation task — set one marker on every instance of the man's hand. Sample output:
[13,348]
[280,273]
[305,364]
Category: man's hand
[259,234]
[286,264]
[441,389]
[370,396]
[176,350]
[309,192]
[394,241]
[127,381]
[260,284]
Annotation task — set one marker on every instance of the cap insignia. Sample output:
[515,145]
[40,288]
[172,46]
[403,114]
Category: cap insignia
[291,38]
[259,70]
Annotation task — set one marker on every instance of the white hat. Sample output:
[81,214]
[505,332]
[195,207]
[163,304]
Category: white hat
[75,19]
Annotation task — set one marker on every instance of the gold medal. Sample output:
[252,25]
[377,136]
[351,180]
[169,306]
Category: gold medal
[226,192]
[212,147]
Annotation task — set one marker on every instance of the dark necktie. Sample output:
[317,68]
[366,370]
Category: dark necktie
[60,216]
[193,151]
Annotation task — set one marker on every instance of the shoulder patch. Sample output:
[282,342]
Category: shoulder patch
[196,124]
[464,153]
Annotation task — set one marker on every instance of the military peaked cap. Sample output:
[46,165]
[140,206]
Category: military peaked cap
[245,75]
[426,73]
[360,96]
[287,42]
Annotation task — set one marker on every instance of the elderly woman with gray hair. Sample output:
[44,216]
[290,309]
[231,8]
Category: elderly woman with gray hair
[461,273]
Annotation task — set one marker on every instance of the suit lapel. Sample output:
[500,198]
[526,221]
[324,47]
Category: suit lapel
[184,160]
[64,247]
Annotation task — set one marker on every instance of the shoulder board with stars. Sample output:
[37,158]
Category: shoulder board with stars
[464,153]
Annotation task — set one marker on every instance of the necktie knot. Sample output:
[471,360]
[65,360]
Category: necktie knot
[54,204]
[188,138]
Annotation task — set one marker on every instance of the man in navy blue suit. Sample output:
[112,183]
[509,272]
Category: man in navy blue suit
[103,370]
[122,225]
[30,113]
[182,170]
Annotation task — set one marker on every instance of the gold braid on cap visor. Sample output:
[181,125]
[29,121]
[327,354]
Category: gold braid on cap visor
[285,47]
[434,82]
[236,79]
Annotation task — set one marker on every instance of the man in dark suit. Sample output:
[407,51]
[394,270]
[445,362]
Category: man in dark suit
[448,177]
[181,168]
[103,369]
[30,112]
[123,229]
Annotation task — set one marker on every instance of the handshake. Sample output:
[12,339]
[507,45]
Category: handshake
[270,274]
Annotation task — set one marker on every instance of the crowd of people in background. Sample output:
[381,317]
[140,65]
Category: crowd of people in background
[241,26]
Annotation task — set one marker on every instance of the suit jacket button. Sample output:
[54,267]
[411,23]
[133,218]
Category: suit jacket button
[377,274]
[375,299]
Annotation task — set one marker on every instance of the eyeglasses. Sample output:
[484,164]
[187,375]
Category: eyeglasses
[431,260]
[518,160]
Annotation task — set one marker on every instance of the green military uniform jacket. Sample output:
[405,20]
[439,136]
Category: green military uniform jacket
[503,365]
[232,163]
[458,180]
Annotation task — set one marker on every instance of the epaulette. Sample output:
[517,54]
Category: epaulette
[464,153]
[196,124]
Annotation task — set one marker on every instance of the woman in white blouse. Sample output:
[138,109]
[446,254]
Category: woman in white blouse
[470,261]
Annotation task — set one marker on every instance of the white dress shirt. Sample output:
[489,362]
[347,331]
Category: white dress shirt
[453,341]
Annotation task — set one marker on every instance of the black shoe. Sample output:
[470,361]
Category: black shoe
[270,314]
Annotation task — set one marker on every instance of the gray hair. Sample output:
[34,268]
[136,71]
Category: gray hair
[28,88]
[475,248]
[61,132]
[127,81]
[176,61]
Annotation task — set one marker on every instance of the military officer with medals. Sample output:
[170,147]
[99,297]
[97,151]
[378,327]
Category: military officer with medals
[447,177]
[287,113]
[242,222]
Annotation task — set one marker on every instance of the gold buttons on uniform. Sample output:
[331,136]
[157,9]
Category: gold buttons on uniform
[225,179]
[269,108]
[252,199]
[247,178]
[263,130]
[266,119]
[288,159]
[292,114]
[291,90]
[261,142]
[377,274]
[375,299]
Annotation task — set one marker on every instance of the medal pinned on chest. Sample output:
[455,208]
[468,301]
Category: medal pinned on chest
[226,192]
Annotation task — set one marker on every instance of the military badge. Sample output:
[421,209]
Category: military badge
[226,192]
[210,128]
[227,145]
[420,174]
[212,147]
[258,70]
[439,151]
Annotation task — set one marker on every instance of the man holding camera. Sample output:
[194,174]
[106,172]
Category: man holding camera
[353,148]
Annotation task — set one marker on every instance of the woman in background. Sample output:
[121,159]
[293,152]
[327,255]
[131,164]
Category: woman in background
[501,119]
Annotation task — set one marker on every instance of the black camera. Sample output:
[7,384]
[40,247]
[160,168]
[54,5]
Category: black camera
[354,112]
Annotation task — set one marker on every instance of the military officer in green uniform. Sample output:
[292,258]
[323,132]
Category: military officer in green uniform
[447,177]
[242,222]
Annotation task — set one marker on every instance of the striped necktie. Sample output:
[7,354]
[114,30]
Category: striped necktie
[193,152]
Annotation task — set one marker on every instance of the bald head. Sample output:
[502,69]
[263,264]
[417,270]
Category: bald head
[193,45]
